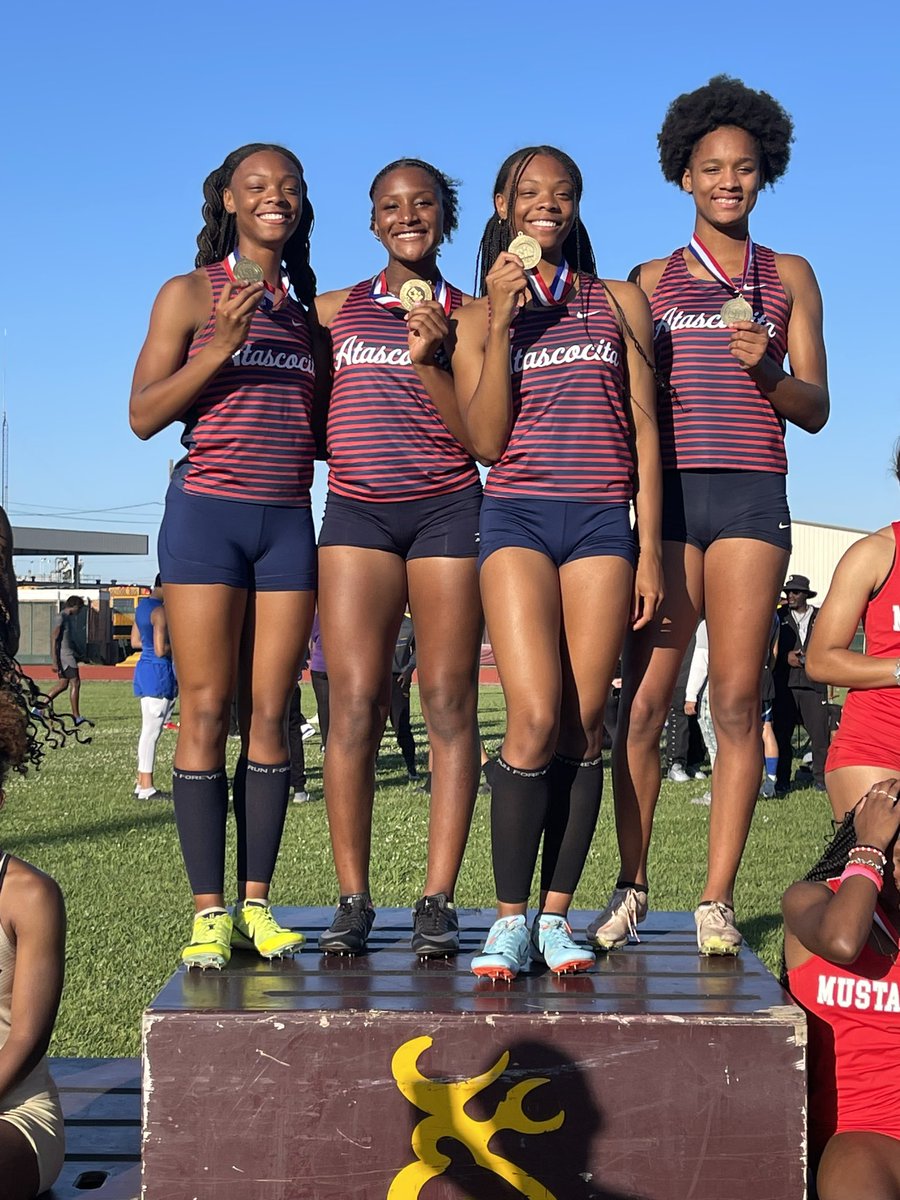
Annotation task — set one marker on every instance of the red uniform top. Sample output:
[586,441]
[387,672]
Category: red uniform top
[386,440]
[854,1039]
[248,433]
[717,417]
[570,438]
[869,732]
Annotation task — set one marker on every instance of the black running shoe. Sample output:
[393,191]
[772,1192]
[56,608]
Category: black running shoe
[435,927]
[351,926]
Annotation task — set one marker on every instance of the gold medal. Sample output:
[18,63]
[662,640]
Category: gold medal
[735,309]
[527,249]
[415,291]
[245,270]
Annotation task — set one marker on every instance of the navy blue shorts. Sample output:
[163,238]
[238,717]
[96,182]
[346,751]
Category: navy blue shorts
[701,506]
[564,530]
[433,527]
[260,547]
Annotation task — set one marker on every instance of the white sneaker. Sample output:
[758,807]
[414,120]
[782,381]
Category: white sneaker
[302,796]
[307,731]
[677,774]
[716,930]
[617,924]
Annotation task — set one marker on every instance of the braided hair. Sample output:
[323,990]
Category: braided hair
[499,231]
[447,189]
[218,237]
[27,721]
[725,101]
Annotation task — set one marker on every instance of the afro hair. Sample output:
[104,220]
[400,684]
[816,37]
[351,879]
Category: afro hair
[725,101]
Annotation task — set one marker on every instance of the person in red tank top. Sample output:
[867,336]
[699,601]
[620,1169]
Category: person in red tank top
[726,525]
[554,374]
[841,945]
[865,587]
[400,526]
[234,360]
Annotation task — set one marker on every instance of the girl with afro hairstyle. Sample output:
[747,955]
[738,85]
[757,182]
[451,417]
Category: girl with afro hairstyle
[32,935]
[865,587]
[726,312]
[841,943]
[553,370]
[230,353]
[400,526]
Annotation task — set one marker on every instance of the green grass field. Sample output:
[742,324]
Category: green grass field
[120,868]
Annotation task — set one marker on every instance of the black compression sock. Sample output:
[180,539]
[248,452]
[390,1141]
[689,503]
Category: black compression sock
[259,816]
[200,799]
[576,788]
[518,812]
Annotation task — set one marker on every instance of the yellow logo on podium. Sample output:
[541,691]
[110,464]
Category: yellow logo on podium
[445,1102]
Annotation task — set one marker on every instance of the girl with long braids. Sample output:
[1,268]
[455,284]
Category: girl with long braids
[230,354]
[401,521]
[865,587]
[841,945]
[726,311]
[553,370]
[32,934]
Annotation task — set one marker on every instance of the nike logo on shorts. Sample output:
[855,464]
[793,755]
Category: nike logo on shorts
[784,524]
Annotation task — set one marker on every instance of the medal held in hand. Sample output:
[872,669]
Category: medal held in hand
[734,310]
[415,291]
[737,308]
[526,249]
[248,271]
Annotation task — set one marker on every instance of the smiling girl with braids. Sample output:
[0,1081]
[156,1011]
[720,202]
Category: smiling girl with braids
[233,360]
[841,944]
[554,376]
[726,312]
[401,521]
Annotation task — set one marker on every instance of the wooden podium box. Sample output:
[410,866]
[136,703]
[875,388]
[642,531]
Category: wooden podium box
[659,1075]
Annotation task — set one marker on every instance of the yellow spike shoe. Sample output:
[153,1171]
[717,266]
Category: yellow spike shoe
[210,944]
[254,928]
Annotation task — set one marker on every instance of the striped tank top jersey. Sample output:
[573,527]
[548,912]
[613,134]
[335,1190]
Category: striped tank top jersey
[716,417]
[248,434]
[386,441]
[570,438]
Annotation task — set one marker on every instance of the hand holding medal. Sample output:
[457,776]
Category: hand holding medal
[427,325]
[749,343]
[507,283]
[234,312]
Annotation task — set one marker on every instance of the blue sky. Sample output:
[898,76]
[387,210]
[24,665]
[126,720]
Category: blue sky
[113,116]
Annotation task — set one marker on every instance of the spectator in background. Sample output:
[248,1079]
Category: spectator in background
[154,685]
[684,740]
[696,700]
[318,673]
[66,649]
[799,700]
[401,680]
[767,700]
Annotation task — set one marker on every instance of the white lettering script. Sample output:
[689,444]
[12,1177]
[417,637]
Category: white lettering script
[534,360]
[677,318]
[247,356]
[353,351]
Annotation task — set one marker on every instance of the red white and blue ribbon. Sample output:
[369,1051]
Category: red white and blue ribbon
[269,295]
[701,253]
[382,294]
[563,280]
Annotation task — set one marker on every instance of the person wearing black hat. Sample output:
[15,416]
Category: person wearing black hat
[798,699]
